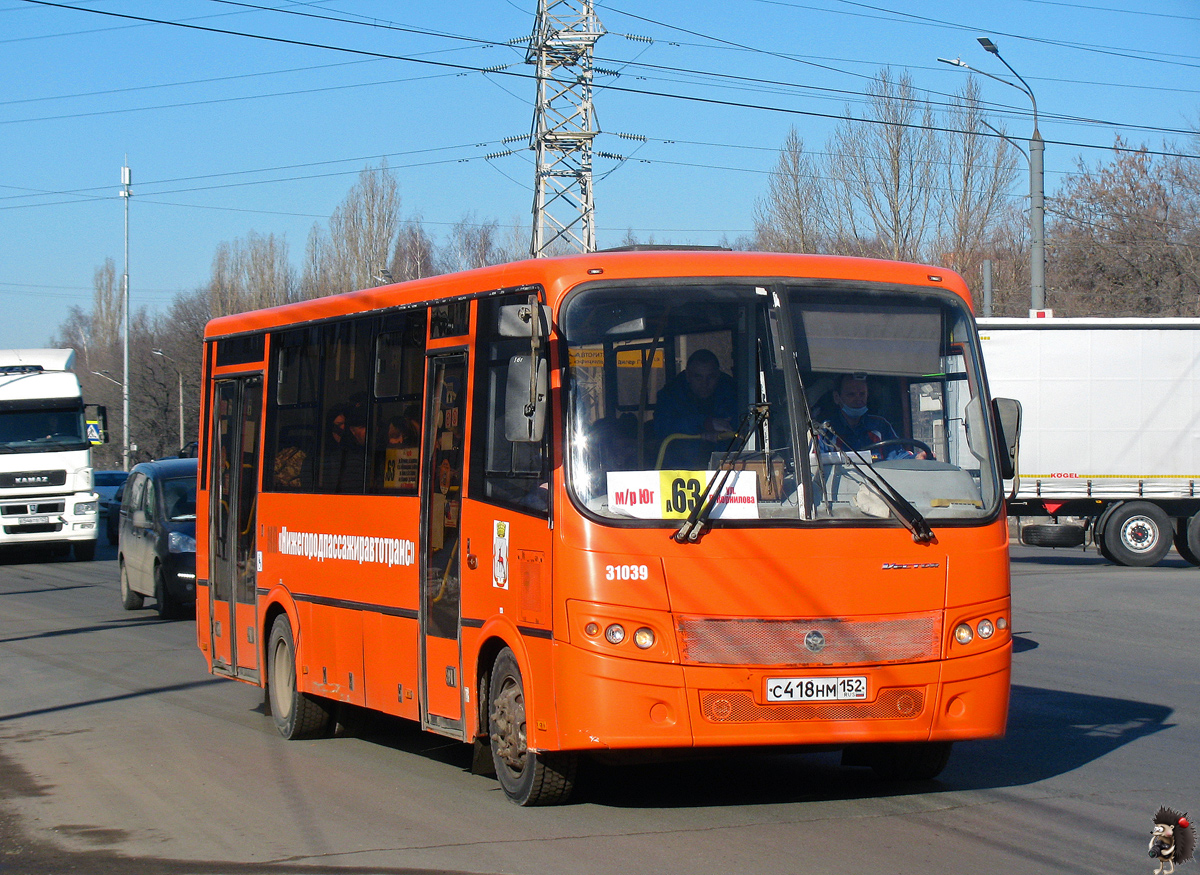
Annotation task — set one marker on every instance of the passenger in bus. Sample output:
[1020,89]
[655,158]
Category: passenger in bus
[702,401]
[854,427]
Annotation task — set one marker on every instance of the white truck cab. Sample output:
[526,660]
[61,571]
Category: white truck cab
[46,495]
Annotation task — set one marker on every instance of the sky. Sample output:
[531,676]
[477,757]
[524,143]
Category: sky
[240,117]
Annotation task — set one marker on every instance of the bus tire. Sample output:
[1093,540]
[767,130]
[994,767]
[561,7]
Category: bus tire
[1187,538]
[1137,534]
[1052,535]
[130,600]
[527,777]
[910,761]
[297,715]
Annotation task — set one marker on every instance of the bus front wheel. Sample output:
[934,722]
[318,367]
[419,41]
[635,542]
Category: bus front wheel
[527,777]
[901,761]
[296,714]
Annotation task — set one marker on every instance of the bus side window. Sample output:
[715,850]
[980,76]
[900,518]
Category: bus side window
[513,474]
[293,430]
[397,417]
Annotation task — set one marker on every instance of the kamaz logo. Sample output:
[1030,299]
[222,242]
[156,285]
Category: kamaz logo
[31,481]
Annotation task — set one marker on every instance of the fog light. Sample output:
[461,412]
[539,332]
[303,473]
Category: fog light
[592,630]
[963,634]
[1001,623]
[644,638]
[615,633]
[985,628]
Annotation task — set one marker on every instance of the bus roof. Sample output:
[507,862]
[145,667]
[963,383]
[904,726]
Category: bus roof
[559,275]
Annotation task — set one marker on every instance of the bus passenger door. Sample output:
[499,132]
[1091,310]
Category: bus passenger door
[237,412]
[440,614]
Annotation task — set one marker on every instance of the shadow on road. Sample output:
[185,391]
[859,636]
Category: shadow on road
[1050,732]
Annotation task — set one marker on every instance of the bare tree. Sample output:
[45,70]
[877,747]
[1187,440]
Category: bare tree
[249,274]
[791,216]
[415,255]
[1125,237]
[979,171]
[472,244]
[360,240]
[885,171]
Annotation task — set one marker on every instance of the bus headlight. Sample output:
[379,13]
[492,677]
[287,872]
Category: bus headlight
[963,633]
[85,507]
[644,638]
[985,629]
[615,633]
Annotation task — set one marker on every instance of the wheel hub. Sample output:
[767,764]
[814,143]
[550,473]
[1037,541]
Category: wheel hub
[1139,535]
[508,726]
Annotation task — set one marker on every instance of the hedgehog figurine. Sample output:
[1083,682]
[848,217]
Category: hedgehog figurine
[1172,841]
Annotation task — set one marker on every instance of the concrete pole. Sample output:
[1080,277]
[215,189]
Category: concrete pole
[1037,221]
[126,181]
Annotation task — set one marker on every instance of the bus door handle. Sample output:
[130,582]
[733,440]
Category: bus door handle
[472,559]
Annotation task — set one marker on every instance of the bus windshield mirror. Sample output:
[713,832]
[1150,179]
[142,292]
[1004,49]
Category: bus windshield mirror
[525,399]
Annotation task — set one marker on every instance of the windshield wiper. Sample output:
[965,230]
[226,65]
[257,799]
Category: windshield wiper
[900,506]
[697,521]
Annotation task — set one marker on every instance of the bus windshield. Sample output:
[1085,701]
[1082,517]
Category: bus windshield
[43,429]
[796,401]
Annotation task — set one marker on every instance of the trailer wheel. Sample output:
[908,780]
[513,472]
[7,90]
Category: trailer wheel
[1187,538]
[1052,535]
[1136,534]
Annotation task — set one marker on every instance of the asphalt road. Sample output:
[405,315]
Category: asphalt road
[119,754]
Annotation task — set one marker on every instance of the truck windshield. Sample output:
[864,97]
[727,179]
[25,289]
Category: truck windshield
[857,383]
[43,429]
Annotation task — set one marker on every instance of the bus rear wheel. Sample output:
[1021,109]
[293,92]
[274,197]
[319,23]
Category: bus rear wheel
[297,715]
[527,777]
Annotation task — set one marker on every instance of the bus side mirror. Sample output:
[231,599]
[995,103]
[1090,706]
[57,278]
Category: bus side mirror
[1008,433]
[96,418]
[525,399]
[517,320]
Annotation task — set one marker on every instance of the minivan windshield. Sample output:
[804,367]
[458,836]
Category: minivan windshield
[809,401]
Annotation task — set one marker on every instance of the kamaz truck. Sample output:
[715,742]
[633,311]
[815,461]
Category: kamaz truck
[46,438]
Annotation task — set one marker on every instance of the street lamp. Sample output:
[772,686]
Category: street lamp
[1037,180]
[179,374]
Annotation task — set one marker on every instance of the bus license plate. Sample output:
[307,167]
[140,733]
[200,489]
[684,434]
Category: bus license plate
[32,520]
[816,689]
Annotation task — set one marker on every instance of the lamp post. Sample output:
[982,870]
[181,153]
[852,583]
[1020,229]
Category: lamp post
[126,192]
[1037,180]
[179,374]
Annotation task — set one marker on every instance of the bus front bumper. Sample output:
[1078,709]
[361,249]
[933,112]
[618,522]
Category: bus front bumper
[622,704]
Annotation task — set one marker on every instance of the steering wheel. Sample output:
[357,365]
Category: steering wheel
[898,442]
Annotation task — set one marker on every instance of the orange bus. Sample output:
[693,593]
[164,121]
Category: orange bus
[615,503]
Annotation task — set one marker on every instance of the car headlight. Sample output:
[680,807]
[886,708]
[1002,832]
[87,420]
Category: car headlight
[83,507]
[178,542]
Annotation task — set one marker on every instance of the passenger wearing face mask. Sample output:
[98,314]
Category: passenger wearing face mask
[857,429]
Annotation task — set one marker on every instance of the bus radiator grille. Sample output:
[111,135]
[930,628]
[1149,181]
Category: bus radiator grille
[740,707]
[810,641]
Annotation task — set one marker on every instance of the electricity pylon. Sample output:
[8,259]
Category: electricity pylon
[563,126]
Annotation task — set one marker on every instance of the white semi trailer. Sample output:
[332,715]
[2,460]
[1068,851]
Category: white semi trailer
[46,495]
[1110,436]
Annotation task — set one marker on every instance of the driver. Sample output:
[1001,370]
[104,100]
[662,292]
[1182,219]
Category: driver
[856,429]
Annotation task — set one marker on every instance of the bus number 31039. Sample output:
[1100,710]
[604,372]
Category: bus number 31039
[627,572]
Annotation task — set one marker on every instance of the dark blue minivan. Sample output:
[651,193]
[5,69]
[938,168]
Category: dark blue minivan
[156,546]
